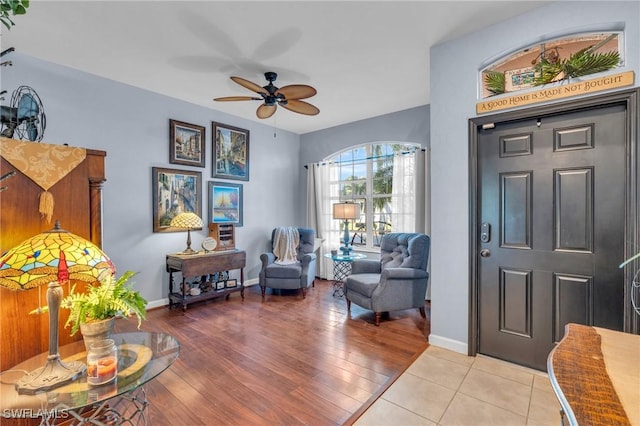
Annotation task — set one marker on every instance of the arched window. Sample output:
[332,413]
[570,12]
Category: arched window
[380,178]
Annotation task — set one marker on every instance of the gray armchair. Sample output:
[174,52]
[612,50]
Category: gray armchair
[397,281]
[298,275]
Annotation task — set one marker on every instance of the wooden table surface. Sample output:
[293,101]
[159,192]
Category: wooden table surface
[595,373]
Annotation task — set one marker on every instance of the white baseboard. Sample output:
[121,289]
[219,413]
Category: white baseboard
[446,343]
[157,303]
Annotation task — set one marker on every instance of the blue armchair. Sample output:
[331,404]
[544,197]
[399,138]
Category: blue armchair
[298,275]
[397,281]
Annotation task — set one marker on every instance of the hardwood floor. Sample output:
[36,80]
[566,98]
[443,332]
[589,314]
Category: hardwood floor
[286,361]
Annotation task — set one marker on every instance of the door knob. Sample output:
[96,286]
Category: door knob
[485,252]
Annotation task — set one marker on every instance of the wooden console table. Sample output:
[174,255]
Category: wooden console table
[595,374]
[204,265]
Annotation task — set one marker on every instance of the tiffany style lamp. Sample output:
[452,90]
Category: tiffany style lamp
[53,258]
[188,221]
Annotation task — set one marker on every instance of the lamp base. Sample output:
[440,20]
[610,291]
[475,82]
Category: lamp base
[55,373]
[346,250]
[188,250]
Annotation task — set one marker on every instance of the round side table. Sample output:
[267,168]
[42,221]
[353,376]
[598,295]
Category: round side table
[342,268]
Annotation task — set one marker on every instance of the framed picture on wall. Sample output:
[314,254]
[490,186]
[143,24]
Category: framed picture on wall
[230,152]
[225,202]
[174,191]
[186,144]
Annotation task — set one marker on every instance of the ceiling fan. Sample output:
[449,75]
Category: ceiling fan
[287,97]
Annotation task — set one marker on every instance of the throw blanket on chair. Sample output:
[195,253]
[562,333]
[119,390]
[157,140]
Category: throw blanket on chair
[285,244]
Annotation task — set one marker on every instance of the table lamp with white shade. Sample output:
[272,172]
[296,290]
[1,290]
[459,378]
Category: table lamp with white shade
[346,211]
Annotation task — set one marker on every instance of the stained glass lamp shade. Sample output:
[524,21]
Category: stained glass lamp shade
[188,221]
[53,257]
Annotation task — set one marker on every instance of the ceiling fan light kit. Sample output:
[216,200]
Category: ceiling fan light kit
[288,97]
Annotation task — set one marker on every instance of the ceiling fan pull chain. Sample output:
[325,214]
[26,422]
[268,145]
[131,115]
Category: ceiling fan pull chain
[275,127]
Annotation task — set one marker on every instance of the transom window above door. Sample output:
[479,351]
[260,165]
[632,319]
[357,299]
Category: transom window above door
[552,61]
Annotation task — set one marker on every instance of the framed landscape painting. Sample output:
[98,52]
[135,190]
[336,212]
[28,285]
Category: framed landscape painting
[174,191]
[225,203]
[230,152]
[186,144]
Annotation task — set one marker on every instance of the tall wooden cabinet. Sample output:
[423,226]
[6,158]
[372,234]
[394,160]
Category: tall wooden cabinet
[78,207]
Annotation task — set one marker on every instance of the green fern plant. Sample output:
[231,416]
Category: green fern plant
[581,63]
[9,8]
[494,82]
[110,298]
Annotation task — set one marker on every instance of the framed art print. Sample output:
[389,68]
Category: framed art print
[230,152]
[174,191]
[186,144]
[225,202]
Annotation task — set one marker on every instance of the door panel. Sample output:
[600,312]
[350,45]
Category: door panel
[553,188]
[515,302]
[573,210]
[573,295]
[515,209]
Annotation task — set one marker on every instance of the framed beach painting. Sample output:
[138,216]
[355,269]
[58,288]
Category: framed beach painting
[225,203]
[230,152]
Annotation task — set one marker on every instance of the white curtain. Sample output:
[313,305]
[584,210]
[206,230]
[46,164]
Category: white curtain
[411,195]
[319,213]
[408,199]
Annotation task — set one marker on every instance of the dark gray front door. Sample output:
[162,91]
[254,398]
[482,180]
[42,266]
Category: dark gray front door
[552,222]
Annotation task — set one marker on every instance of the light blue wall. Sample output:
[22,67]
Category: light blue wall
[454,85]
[410,125]
[132,126]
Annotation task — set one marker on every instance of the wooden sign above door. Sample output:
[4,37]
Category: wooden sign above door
[558,91]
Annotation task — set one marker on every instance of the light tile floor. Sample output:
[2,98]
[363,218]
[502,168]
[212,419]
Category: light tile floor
[447,388]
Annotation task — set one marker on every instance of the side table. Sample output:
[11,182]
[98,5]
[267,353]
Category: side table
[204,265]
[342,268]
[142,356]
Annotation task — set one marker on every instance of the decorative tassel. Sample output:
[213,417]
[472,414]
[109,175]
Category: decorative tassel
[46,205]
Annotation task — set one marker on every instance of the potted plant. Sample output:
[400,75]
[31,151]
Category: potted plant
[10,8]
[94,311]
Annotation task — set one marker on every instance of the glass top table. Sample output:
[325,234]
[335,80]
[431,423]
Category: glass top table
[142,356]
[345,258]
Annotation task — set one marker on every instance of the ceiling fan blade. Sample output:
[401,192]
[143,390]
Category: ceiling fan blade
[266,111]
[300,107]
[249,85]
[237,98]
[296,91]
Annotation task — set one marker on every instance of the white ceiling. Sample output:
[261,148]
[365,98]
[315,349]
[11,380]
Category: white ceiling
[365,58]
